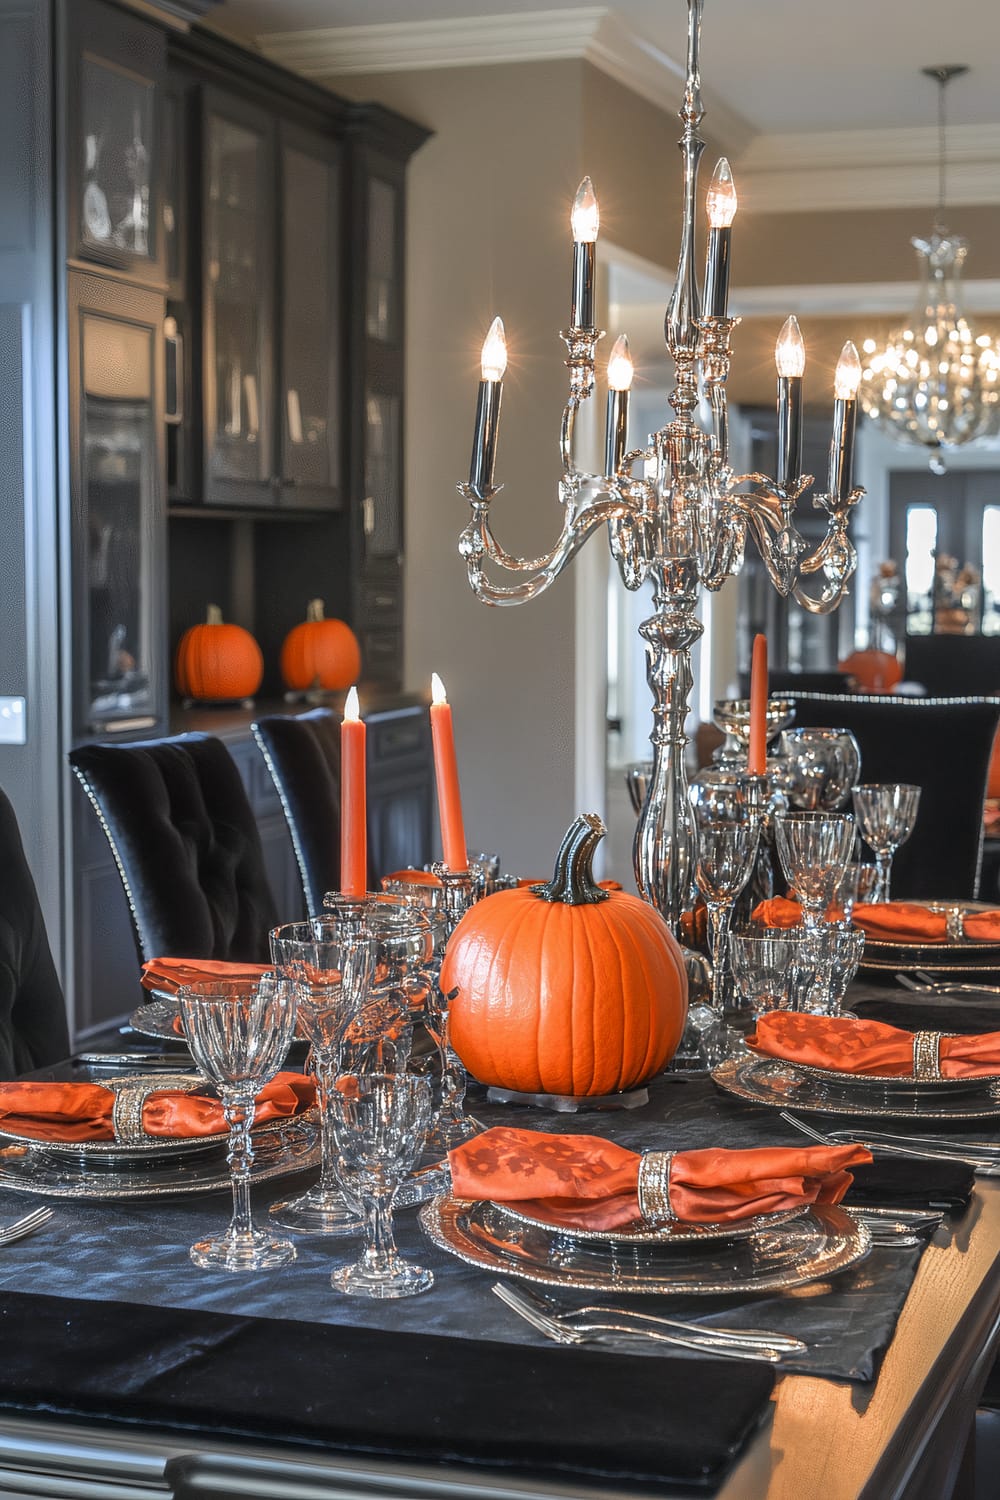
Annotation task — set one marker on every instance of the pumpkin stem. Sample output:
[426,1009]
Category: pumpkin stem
[314,609]
[573,877]
[213,615]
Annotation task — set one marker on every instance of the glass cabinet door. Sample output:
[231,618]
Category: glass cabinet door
[239,213]
[310,331]
[113,155]
[117,464]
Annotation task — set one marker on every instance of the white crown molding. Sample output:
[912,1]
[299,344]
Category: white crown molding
[843,299]
[841,169]
[591,33]
[404,46]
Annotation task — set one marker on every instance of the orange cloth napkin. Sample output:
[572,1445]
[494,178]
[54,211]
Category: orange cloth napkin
[592,1183]
[909,921]
[781,911]
[845,1045]
[83,1111]
[171,973]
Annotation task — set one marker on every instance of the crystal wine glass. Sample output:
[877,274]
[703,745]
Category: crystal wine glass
[886,814]
[329,961]
[727,828]
[814,849]
[380,1124]
[239,1031]
[820,767]
[772,970]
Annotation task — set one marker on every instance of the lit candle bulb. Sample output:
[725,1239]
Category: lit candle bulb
[585,221]
[790,358]
[493,362]
[721,204]
[353,800]
[620,372]
[845,415]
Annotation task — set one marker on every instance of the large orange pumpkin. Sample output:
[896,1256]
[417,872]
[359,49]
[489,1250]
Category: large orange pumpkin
[320,653]
[565,988]
[218,662]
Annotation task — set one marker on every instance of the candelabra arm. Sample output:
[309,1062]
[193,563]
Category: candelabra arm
[478,545]
[835,557]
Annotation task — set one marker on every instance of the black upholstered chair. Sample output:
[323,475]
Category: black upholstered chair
[302,753]
[33,1028]
[186,844]
[951,664]
[781,682]
[942,745]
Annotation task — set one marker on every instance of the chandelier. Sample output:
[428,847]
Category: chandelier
[674,510]
[936,382]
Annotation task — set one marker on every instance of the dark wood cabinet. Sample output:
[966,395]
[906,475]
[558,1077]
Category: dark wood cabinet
[115,367]
[114,71]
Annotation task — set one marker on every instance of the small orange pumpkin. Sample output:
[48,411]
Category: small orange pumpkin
[565,988]
[218,662]
[320,653]
[874,671]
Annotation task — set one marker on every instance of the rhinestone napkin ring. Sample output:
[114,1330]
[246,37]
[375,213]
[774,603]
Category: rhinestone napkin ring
[654,1187]
[927,1054]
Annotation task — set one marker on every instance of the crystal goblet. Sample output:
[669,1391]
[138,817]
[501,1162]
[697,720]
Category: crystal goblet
[820,767]
[727,827]
[886,814]
[814,849]
[772,970]
[380,1122]
[239,1031]
[329,961]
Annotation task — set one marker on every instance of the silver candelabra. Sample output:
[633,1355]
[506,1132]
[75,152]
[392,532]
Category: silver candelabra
[676,512]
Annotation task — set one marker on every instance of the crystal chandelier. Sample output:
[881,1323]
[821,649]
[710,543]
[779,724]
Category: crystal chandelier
[936,382]
[674,511]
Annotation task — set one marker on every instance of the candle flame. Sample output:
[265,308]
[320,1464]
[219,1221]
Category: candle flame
[620,366]
[721,202]
[848,373]
[351,709]
[438,694]
[493,360]
[790,350]
[585,218]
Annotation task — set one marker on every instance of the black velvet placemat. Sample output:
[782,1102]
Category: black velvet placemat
[556,1412]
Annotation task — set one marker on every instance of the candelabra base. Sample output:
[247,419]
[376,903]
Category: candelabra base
[567,1104]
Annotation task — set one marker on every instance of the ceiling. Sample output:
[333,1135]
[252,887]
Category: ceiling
[782,69]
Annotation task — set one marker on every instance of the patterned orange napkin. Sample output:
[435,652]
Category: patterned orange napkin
[909,921]
[83,1111]
[169,974]
[846,1045]
[592,1183]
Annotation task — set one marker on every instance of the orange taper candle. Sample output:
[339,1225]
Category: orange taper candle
[453,850]
[353,799]
[757,758]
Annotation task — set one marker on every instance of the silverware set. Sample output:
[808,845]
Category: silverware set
[22,1227]
[609,1325]
[982,1156]
[922,983]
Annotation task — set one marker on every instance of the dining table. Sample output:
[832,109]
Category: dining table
[128,1372]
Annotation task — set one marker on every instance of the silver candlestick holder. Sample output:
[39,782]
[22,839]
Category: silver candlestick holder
[677,514]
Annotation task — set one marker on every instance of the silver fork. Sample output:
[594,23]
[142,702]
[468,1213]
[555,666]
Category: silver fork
[890,1145]
[24,1226]
[929,985]
[760,1339]
[605,1331]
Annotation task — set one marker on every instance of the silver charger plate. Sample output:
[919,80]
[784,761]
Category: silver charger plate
[293,1146]
[157,1017]
[783,1085]
[823,1240]
[642,1233]
[954,956]
[113,1156]
[892,1082]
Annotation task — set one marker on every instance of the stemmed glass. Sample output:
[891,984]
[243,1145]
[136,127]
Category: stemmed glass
[239,1031]
[380,1122]
[727,826]
[886,814]
[814,849]
[443,896]
[329,961]
[820,767]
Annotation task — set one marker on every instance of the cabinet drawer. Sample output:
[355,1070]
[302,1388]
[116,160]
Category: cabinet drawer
[404,738]
[381,603]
